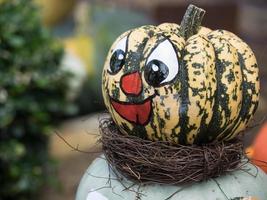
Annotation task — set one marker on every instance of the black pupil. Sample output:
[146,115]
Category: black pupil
[117,60]
[156,72]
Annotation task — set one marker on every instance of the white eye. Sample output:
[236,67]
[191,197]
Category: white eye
[162,64]
[121,45]
[117,59]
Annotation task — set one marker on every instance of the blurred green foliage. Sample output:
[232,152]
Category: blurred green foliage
[32,99]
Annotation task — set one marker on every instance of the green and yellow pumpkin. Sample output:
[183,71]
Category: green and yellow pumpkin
[184,84]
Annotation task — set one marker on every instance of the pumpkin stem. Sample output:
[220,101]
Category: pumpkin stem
[191,21]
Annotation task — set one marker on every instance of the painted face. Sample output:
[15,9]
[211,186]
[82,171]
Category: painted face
[158,86]
[140,77]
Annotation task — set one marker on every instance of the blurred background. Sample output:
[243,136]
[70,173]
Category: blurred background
[51,58]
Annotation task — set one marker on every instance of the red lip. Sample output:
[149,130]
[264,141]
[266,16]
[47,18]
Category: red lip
[136,113]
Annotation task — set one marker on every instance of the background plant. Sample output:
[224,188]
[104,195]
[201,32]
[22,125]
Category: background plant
[33,88]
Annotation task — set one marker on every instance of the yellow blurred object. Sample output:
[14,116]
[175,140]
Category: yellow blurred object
[82,47]
[250,152]
[53,11]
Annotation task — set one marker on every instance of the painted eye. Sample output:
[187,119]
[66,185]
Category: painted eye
[117,59]
[156,72]
[161,65]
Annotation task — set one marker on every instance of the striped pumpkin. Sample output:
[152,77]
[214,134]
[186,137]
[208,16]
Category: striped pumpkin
[184,84]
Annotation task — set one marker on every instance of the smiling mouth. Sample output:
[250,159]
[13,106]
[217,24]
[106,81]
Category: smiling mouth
[136,113]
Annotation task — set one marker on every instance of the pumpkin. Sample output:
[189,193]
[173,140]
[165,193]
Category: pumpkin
[259,149]
[184,84]
[99,182]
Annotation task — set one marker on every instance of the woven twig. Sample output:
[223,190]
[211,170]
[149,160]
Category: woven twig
[161,162]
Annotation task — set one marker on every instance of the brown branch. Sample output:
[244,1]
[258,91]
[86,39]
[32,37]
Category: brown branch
[74,148]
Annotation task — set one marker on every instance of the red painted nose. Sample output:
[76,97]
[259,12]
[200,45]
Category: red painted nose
[131,84]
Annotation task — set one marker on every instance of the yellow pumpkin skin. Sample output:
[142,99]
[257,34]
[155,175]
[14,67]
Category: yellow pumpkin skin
[213,96]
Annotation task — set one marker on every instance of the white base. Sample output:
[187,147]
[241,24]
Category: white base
[95,186]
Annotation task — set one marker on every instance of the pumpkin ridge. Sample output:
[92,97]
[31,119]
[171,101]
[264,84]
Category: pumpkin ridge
[184,101]
[244,104]
[230,126]
[172,28]
[250,84]
[214,127]
[135,52]
[200,58]
[202,136]
[245,113]
[167,127]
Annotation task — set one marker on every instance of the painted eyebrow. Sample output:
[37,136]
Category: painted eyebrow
[126,45]
[127,41]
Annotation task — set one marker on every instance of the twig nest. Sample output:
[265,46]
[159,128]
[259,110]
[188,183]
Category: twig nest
[162,162]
